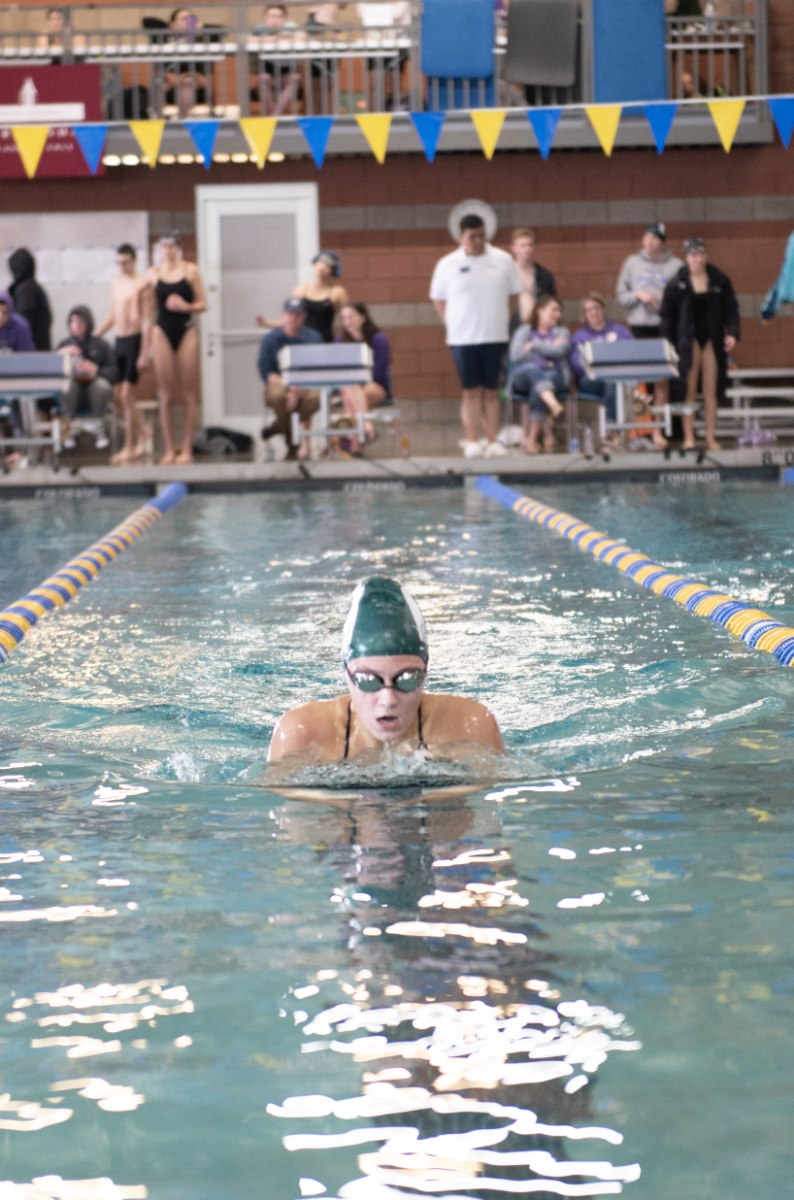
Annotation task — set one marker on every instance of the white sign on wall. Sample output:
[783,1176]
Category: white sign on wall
[75,255]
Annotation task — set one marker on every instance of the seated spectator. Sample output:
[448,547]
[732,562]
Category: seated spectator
[267,74]
[540,353]
[56,28]
[596,328]
[94,372]
[186,84]
[15,333]
[358,326]
[286,400]
[30,299]
[535,279]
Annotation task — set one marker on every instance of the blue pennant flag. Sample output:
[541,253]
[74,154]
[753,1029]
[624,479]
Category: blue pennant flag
[203,134]
[317,131]
[782,109]
[660,117]
[91,140]
[428,125]
[544,122]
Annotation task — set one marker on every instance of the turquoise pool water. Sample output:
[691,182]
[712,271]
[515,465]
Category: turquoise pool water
[634,866]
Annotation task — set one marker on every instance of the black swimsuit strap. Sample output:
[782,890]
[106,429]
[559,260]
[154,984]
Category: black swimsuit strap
[421,746]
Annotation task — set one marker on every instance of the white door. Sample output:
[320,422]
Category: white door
[255,242]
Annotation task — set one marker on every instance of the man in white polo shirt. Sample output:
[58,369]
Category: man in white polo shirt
[472,290]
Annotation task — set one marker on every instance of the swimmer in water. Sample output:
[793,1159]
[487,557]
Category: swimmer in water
[385,655]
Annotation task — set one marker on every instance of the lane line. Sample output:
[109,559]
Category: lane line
[59,589]
[756,628]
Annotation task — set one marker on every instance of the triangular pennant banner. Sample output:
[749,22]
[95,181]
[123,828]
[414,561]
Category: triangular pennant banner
[317,131]
[375,127]
[660,118]
[782,109]
[203,134]
[544,122]
[30,141]
[148,135]
[258,133]
[488,122]
[726,115]
[428,126]
[91,140]
[605,119]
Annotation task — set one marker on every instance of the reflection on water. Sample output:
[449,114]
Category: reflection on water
[579,970]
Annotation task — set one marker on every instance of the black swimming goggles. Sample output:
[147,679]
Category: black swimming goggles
[405,681]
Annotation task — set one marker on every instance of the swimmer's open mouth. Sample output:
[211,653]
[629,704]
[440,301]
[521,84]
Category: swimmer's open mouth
[388,722]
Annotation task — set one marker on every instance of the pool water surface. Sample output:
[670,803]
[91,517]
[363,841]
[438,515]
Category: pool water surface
[576,979]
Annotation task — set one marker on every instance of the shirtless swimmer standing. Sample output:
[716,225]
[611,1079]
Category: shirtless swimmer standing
[385,656]
[132,347]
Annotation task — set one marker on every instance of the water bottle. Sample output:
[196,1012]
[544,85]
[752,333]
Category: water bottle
[573,444]
[588,441]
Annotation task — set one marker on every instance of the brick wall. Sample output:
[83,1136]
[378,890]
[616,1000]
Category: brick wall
[604,201]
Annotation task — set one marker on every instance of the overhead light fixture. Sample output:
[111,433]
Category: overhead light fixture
[130,160]
[240,158]
[111,160]
[185,158]
[275,156]
[166,159]
[221,158]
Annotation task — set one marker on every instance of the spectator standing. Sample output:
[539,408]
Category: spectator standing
[472,290]
[323,298]
[535,279]
[177,291]
[30,299]
[94,373]
[641,283]
[700,315]
[284,401]
[540,353]
[15,334]
[596,328]
[132,347]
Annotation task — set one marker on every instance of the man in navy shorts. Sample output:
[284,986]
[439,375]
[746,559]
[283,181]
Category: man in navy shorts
[132,348]
[472,290]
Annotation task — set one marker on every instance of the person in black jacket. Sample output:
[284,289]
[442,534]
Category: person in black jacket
[700,316]
[94,373]
[30,299]
[537,280]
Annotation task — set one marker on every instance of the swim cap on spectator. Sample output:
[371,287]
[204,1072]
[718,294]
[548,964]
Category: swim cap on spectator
[333,259]
[384,618]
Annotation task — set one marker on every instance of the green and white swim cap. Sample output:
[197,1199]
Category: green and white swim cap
[384,618]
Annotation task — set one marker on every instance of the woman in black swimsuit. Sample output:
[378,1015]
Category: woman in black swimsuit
[323,297]
[176,292]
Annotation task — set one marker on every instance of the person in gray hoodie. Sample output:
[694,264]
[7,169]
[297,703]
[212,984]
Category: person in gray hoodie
[94,373]
[641,283]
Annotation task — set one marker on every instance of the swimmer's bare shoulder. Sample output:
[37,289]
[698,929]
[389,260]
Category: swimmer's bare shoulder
[458,719]
[319,726]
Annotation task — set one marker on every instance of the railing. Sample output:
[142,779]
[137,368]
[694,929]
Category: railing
[233,70]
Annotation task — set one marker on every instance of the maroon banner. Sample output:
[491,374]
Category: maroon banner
[58,96]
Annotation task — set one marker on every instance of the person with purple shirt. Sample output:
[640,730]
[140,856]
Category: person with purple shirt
[358,326]
[596,328]
[539,354]
[15,331]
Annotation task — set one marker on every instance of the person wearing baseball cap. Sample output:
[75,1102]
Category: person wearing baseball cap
[282,400]
[641,283]
[385,708]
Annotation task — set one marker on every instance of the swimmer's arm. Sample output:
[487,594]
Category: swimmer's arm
[199,303]
[309,727]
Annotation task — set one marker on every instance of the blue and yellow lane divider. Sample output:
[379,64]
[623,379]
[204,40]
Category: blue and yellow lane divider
[59,589]
[756,628]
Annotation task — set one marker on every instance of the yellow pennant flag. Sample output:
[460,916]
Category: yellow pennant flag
[726,115]
[375,127]
[258,133]
[605,119]
[30,141]
[148,135]
[488,122]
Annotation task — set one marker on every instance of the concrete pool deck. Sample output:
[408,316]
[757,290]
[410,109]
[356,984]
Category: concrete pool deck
[399,474]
